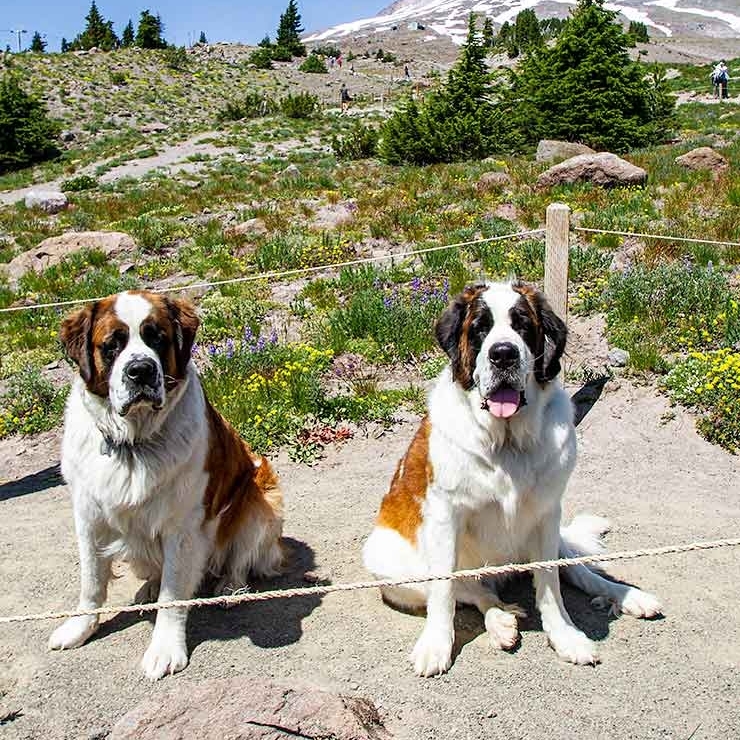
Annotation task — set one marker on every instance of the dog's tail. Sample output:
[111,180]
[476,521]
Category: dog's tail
[583,536]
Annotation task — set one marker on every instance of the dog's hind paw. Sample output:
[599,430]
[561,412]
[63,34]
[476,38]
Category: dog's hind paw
[640,604]
[573,646]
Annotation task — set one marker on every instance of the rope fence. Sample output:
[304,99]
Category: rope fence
[287,273]
[290,593]
[665,237]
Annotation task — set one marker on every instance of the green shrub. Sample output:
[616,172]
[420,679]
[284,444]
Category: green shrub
[710,383]
[31,403]
[327,50]
[176,57]
[300,105]
[81,182]
[281,54]
[253,105]
[118,78]
[360,142]
[27,134]
[314,65]
[261,58]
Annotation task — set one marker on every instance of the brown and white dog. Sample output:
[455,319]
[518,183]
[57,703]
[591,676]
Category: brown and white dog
[157,476]
[482,480]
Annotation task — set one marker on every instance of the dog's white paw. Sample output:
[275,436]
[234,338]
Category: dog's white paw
[502,629]
[73,633]
[572,645]
[432,653]
[165,655]
[641,604]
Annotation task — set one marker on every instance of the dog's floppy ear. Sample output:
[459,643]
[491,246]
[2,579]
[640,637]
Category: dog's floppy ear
[76,337]
[556,335]
[449,330]
[185,322]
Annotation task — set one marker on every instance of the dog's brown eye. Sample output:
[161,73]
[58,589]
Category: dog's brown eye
[154,336]
[114,344]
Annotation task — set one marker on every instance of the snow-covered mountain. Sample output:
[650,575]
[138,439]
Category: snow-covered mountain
[435,18]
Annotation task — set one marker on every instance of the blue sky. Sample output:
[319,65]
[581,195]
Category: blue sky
[222,20]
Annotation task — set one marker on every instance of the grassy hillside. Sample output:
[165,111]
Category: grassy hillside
[297,362]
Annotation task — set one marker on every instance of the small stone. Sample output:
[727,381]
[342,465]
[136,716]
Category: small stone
[291,172]
[251,227]
[618,357]
[48,201]
[68,136]
[156,127]
[492,181]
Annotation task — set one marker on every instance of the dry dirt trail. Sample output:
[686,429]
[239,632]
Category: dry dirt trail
[657,480]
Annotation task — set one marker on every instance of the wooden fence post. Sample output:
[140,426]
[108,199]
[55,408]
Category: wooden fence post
[557,232]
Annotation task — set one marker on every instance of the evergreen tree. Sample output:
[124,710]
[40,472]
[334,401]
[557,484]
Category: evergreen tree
[27,135]
[638,31]
[527,31]
[38,45]
[289,30]
[64,45]
[265,43]
[202,38]
[150,30]
[586,88]
[127,37]
[488,34]
[98,32]
[455,122]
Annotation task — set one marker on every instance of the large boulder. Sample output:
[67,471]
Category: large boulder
[703,158]
[53,250]
[244,709]
[548,150]
[605,169]
[250,227]
[490,181]
[48,201]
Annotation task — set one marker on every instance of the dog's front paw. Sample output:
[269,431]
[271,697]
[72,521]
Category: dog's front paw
[165,655]
[572,645]
[432,653]
[641,604]
[73,633]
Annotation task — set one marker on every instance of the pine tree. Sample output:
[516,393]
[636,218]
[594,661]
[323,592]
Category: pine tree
[64,45]
[289,30]
[488,34]
[150,30]
[586,88]
[202,38]
[27,134]
[38,45]
[98,32]
[454,123]
[527,31]
[127,37]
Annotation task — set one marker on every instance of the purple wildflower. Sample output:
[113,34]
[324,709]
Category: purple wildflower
[212,350]
[229,348]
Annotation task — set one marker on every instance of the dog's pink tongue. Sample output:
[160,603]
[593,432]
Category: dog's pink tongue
[504,403]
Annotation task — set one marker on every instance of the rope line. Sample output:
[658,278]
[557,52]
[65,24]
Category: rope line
[498,570]
[665,237]
[285,273]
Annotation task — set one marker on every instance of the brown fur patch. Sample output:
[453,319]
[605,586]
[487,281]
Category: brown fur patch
[401,507]
[241,484]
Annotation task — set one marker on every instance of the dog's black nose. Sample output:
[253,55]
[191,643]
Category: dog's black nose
[142,371]
[503,355]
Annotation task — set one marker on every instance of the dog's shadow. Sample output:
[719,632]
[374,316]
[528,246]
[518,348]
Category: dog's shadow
[593,621]
[269,624]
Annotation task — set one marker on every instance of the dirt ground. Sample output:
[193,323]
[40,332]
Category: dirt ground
[648,472]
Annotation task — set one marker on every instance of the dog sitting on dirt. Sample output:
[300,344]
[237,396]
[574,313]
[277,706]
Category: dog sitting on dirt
[482,480]
[157,476]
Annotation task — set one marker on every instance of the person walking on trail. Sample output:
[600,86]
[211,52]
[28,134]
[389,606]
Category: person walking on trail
[720,78]
[406,73]
[344,98]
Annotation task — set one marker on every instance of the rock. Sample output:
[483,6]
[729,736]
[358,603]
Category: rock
[48,201]
[153,128]
[251,227]
[605,169]
[53,250]
[291,172]
[492,181]
[625,258]
[334,215]
[68,136]
[618,357]
[548,150]
[703,158]
[244,709]
[506,211]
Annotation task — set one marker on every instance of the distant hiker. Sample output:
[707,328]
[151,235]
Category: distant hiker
[406,71]
[331,62]
[344,98]
[339,61]
[720,78]
[352,68]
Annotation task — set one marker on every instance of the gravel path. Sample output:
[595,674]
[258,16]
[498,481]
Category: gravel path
[656,480]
